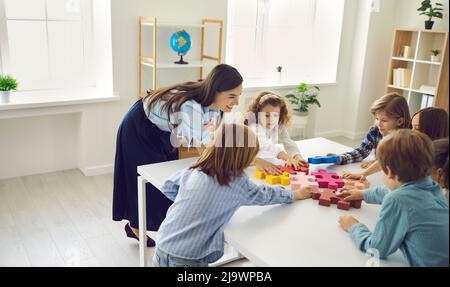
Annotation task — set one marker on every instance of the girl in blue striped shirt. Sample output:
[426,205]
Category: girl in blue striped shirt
[206,196]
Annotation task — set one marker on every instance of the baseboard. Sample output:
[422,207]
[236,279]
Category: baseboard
[354,136]
[329,134]
[340,133]
[97,170]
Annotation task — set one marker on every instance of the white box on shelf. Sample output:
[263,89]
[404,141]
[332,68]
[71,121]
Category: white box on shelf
[427,89]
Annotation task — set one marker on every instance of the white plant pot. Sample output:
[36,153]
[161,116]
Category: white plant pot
[4,96]
[435,58]
[299,119]
[299,122]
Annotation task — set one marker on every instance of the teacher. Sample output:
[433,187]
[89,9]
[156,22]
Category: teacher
[152,127]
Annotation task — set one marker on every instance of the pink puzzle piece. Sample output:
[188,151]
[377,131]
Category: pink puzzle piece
[301,180]
[328,197]
[356,184]
[327,179]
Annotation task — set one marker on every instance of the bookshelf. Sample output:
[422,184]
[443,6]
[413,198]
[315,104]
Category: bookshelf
[423,81]
[149,27]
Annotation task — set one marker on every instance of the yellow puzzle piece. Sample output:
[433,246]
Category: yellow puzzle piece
[283,179]
[260,174]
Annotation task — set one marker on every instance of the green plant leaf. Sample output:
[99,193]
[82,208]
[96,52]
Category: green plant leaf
[8,83]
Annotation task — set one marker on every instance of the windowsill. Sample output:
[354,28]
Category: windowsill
[252,87]
[52,98]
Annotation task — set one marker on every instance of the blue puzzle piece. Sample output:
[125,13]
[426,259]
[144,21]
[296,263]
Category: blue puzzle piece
[324,159]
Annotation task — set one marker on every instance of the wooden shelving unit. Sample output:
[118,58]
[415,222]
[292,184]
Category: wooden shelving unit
[423,70]
[153,62]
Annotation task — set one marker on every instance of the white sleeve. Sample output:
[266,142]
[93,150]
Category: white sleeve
[289,145]
[266,148]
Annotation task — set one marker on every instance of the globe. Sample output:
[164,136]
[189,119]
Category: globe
[180,42]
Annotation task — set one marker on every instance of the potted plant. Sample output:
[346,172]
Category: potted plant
[427,9]
[301,99]
[435,55]
[7,84]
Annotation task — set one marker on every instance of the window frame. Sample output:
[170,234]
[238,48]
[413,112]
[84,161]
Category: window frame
[262,18]
[100,61]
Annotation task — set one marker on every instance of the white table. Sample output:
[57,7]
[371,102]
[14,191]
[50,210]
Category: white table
[298,234]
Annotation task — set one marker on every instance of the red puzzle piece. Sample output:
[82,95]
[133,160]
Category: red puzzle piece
[292,170]
[329,180]
[328,197]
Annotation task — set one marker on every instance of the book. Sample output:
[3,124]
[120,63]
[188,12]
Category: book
[402,77]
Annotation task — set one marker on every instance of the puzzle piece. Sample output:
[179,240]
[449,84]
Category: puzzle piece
[282,179]
[356,184]
[329,180]
[324,159]
[328,197]
[260,174]
[301,180]
[292,170]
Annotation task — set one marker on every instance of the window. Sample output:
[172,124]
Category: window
[50,44]
[301,36]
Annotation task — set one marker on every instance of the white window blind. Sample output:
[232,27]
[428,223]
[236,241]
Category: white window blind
[49,44]
[301,36]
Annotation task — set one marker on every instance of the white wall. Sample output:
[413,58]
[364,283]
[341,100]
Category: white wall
[37,144]
[85,137]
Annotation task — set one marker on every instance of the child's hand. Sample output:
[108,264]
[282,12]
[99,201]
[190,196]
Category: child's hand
[357,176]
[296,162]
[367,164]
[301,161]
[351,195]
[347,221]
[303,193]
[267,167]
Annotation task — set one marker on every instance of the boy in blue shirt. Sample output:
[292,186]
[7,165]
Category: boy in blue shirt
[414,216]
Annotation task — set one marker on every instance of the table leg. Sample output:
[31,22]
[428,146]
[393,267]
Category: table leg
[228,257]
[142,205]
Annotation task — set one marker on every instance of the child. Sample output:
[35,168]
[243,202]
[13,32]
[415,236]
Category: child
[391,113]
[440,169]
[431,121]
[268,116]
[206,197]
[414,215]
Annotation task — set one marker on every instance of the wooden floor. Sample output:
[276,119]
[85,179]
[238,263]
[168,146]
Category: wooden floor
[64,219]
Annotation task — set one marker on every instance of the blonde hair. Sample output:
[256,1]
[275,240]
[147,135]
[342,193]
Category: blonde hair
[269,98]
[234,149]
[395,106]
[408,154]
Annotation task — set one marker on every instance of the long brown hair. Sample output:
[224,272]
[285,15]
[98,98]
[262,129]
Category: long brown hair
[395,106]
[268,98]
[234,149]
[433,122]
[222,78]
[441,157]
